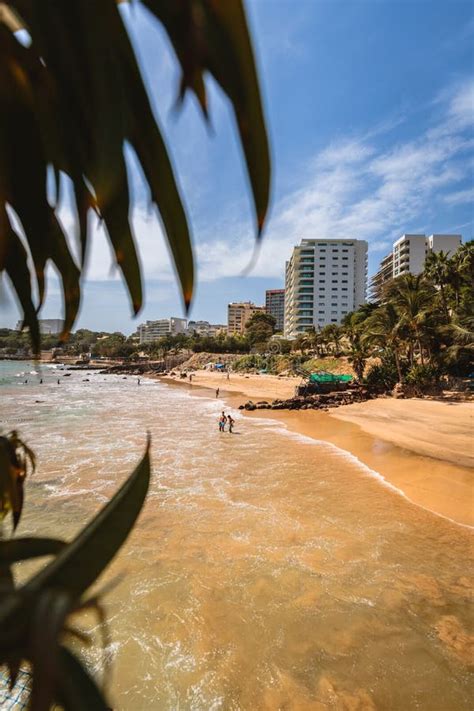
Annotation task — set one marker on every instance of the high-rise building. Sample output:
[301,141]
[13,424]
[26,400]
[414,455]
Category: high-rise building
[408,256]
[381,277]
[238,313]
[275,306]
[325,280]
[152,330]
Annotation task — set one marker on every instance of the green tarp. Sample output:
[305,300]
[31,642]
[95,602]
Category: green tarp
[329,378]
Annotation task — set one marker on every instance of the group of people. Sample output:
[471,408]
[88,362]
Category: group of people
[226,420]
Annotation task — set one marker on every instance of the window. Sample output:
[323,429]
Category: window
[344,281]
[320,312]
[345,258]
[321,281]
[345,250]
[334,288]
[334,320]
[333,304]
[344,288]
[333,281]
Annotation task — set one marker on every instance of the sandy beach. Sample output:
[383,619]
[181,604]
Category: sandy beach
[425,448]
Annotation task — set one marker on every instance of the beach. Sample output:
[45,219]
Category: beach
[423,447]
[269,569]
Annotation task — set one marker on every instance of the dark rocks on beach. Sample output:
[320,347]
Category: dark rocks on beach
[319,401]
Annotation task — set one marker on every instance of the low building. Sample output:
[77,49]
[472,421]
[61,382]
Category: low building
[153,330]
[47,326]
[275,306]
[238,313]
[204,328]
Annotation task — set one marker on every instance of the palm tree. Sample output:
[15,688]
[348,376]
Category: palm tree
[413,298]
[438,269]
[384,328]
[462,275]
[72,99]
[357,357]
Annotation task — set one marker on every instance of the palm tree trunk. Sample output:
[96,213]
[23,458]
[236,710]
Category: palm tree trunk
[397,363]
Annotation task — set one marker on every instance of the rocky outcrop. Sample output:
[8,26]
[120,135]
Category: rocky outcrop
[321,401]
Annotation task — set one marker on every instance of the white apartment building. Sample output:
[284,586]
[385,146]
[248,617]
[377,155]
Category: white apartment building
[238,313]
[325,280]
[152,330]
[410,251]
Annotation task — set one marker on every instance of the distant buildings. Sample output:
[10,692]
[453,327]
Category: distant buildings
[238,313]
[47,326]
[152,330]
[408,257]
[275,306]
[204,328]
[381,277]
[325,280]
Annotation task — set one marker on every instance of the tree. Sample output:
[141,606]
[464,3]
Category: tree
[357,357]
[413,297]
[260,327]
[384,329]
[68,109]
[438,267]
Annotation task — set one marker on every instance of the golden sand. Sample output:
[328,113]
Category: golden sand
[423,447]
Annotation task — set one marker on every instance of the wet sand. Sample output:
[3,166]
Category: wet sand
[424,448]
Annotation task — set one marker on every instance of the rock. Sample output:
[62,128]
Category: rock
[398,391]
[241,407]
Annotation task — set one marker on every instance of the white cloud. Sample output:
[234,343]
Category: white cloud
[460,197]
[352,189]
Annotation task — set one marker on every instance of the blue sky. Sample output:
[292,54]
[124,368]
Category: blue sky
[370,108]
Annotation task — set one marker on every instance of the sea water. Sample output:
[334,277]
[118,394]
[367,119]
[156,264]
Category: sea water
[266,571]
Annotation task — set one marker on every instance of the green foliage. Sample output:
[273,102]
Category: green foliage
[383,376]
[34,617]
[71,100]
[260,328]
[251,362]
[422,377]
[69,109]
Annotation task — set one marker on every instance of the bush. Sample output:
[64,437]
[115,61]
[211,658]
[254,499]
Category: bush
[422,377]
[382,376]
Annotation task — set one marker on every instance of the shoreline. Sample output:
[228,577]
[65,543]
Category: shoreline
[426,476]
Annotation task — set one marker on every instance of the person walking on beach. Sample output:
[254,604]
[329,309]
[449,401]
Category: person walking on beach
[217,392]
[231,422]
[138,383]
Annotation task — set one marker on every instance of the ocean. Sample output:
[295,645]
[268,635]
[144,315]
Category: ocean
[267,570]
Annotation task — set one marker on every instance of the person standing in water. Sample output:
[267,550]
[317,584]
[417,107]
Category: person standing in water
[217,392]
[222,421]
[231,422]
[138,383]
